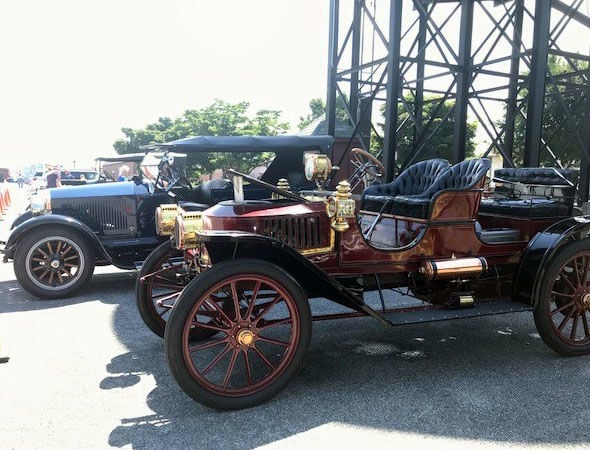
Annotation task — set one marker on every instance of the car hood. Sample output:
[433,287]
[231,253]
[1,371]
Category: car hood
[123,188]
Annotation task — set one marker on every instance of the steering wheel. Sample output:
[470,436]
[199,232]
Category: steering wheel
[265,185]
[367,163]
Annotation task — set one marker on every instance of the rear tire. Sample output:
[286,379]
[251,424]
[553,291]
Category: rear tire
[53,263]
[562,312]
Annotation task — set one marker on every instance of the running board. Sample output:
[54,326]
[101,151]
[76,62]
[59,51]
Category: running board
[437,313]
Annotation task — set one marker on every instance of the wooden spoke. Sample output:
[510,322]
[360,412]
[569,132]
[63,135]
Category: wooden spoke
[272,341]
[207,345]
[209,327]
[574,328]
[216,360]
[561,308]
[210,302]
[585,323]
[263,358]
[267,308]
[230,368]
[565,319]
[565,278]
[236,301]
[252,300]
[248,368]
[274,323]
[586,271]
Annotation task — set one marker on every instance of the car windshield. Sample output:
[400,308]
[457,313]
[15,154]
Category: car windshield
[169,167]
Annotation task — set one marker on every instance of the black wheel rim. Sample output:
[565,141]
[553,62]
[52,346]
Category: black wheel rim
[55,263]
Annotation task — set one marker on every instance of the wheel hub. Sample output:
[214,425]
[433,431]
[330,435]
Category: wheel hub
[586,300]
[245,337]
[55,263]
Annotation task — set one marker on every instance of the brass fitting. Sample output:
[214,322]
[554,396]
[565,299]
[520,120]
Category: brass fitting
[340,207]
[165,217]
[283,183]
[185,229]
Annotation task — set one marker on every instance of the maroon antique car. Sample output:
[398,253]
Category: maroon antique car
[241,288]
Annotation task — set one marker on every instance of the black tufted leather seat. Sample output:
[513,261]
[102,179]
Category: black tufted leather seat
[533,192]
[465,175]
[413,181]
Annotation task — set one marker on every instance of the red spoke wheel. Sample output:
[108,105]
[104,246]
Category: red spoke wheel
[261,339]
[162,277]
[562,313]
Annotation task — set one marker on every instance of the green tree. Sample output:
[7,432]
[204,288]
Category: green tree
[317,108]
[558,130]
[218,119]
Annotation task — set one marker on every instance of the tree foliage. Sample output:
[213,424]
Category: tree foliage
[317,108]
[218,119]
[558,130]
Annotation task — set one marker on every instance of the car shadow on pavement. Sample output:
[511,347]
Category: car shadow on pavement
[107,287]
[488,379]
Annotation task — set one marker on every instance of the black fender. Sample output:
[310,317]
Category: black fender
[540,252]
[36,222]
[20,219]
[227,245]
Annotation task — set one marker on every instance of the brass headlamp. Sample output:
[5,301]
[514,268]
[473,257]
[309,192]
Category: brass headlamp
[318,167]
[187,224]
[340,207]
[165,218]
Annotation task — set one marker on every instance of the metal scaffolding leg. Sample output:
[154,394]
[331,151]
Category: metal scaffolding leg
[536,101]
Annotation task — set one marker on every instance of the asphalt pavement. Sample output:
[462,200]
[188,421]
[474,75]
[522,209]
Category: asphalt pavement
[86,373]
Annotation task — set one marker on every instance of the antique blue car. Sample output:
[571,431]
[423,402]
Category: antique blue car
[67,231]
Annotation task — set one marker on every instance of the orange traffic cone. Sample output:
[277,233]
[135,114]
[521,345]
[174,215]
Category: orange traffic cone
[7,197]
[2,206]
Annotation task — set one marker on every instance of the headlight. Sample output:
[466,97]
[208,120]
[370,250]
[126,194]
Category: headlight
[41,203]
[165,218]
[185,230]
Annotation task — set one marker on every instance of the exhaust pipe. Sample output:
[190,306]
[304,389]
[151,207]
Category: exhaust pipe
[448,269]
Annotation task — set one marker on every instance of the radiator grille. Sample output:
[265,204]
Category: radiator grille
[298,232]
[111,216]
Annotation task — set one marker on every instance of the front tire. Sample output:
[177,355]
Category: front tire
[159,283]
[260,342]
[562,313]
[53,263]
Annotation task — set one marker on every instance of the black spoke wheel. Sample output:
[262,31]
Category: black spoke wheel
[562,313]
[53,263]
[162,277]
[260,341]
